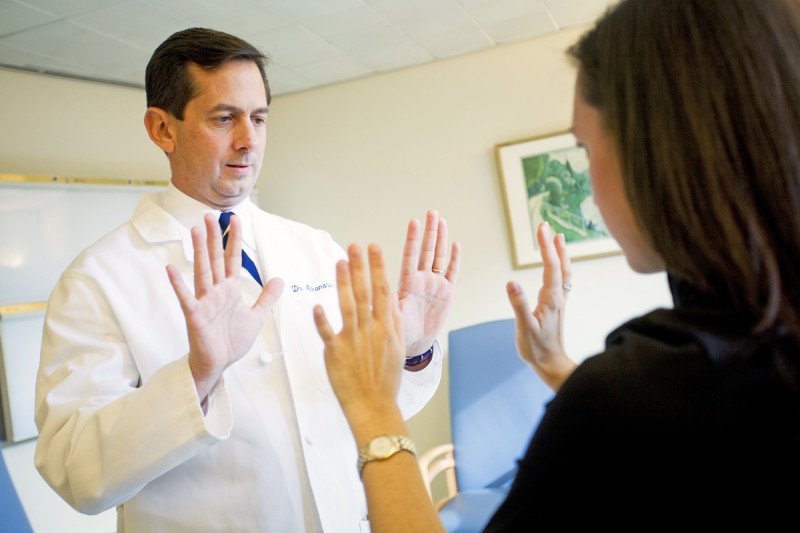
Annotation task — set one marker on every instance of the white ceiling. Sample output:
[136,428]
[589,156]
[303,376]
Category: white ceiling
[310,42]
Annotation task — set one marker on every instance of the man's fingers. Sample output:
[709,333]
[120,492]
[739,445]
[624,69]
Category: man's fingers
[233,248]
[203,280]
[269,295]
[185,296]
[455,263]
[411,248]
[216,256]
[440,251]
[429,241]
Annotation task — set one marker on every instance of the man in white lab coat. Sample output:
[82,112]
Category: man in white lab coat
[233,427]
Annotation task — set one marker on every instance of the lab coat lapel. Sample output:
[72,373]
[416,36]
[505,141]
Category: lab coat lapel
[157,226]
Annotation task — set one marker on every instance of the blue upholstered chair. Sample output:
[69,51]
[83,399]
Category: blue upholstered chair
[496,402]
[12,515]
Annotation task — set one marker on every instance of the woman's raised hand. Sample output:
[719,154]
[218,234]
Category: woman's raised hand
[540,334]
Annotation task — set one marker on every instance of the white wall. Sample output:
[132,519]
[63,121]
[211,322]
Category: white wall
[53,126]
[359,159]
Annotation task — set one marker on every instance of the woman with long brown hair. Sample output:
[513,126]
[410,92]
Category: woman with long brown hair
[690,113]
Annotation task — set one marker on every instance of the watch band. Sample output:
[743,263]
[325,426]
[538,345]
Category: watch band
[419,359]
[382,447]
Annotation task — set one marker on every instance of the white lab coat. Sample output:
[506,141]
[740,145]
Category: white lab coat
[117,410]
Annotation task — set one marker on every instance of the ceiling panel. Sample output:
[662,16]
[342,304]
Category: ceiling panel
[441,27]
[300,10]
[239,17]
[17,17]
[400,54]
[338,69]
[351,28]
[573,12]
[295,47]
[283,80]
[10,54]
[310,42]
[134,23]
[508,21]
[66,8]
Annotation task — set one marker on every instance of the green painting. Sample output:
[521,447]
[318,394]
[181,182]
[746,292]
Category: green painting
[559,192]
[546,179]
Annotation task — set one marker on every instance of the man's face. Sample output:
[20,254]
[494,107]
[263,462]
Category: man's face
[219,145]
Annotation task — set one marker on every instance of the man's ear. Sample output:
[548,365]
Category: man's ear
[158,124]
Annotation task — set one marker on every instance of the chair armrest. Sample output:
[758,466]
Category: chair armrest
[435,461]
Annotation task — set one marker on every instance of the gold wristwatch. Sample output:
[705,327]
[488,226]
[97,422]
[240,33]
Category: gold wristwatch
[383,447]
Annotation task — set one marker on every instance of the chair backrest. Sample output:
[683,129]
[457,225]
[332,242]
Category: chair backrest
[12,515]
[496,402]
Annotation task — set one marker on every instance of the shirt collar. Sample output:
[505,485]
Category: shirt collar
[190,212]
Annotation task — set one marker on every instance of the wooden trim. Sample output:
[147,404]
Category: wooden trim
[16,309]
[51,180]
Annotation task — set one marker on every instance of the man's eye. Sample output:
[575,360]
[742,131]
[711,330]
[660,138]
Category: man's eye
[258,121]
[224,119]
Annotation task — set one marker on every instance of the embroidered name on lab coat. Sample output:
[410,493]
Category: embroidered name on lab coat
[311,288]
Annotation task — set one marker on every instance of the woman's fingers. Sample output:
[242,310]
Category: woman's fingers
[551,261]
[346,302]
[397,320]
[380,284]
[566,267]
[521,306]
[360,287]
[323,326]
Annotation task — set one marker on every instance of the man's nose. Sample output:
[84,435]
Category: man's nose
[246,135]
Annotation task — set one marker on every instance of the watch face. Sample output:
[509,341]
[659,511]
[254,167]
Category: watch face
[381,447]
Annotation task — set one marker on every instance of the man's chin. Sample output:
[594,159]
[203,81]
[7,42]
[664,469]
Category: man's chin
[231,196]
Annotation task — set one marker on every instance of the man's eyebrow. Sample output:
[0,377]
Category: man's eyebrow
[233,109]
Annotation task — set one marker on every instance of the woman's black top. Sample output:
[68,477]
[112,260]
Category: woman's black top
[685,419]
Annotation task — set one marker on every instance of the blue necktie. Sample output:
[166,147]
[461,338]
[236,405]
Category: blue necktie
[224,225]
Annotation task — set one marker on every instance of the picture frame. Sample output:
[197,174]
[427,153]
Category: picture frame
[547,179]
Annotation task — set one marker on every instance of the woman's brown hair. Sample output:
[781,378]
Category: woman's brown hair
[703,100]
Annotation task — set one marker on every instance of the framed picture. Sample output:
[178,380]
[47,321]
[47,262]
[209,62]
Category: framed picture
[547,179]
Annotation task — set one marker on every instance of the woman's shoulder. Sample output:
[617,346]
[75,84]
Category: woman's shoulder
[658,346]
[680,370]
